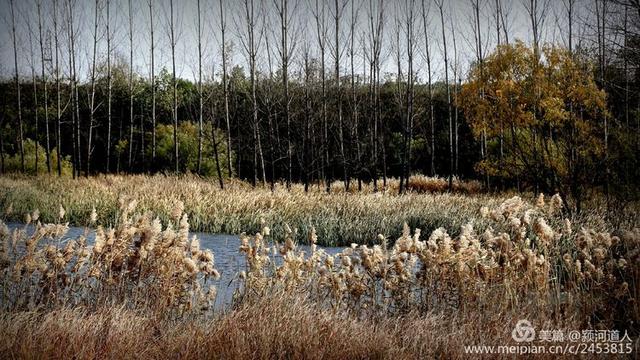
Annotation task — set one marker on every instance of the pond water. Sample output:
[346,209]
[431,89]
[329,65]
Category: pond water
[229,261]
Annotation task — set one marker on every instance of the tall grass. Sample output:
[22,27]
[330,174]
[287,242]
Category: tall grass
[339,218]
[142,288]
[138,262]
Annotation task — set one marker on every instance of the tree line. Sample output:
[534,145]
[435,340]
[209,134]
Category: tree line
[360,91]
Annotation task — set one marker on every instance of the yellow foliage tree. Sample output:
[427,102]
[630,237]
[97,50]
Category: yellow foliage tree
[543,118]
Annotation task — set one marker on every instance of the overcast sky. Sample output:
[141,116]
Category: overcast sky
[458,19]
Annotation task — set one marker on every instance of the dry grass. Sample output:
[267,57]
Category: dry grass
[142,290]
[276,327]
[138,262]
[425,184]
[339,219]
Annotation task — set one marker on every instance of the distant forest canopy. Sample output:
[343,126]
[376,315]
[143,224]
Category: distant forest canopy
[552,117]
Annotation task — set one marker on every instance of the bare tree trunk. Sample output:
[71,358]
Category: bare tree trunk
[92,109]
[321,27]
[408,128]
[74,91]
[376,24]
[269,108]
[456,89]
[44,84]
[58,108]
[440,5]
[537,15]
[175,89]
[17,80]
[399,95]
[306,158]
[200,94]
[410,86]
[35,99]
[130,84]
[425,24]
[153,87]
[225,88]
[251,46]
[602,24]
[480,59]
[354,98]
[499,23]
[109,86]
[337,16]
[283,11]
[215,144]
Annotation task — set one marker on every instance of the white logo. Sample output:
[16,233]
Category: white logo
[523,331]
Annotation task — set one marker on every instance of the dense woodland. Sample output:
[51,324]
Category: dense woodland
[315,91]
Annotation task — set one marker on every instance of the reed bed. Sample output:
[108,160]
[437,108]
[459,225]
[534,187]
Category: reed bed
[281,327]
[338,218]
[142,289]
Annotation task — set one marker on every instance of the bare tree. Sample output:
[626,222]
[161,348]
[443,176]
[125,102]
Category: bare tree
[354,98]
[537,12]
[43,59]
[109,84]
[35,96]
[282,7]
[251,45]
[58,101]
[75,112]
[153,85]
[601,19]
[440,5]
[501,20]
[269,105]
[339,7]
[130,84]
[477,32]
[409,19]
[17,82]
[456,90]
[308,126]
[376,26]
[569,7]
[200,94]
[225,87]
[425,24]
[92,98]
[172,38]
[400,95]
[500,24]
[319,15]
[214,139]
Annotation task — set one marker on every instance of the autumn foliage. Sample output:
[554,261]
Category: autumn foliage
[542,117]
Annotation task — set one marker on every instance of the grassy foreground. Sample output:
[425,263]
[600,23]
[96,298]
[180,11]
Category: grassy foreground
[143,289]
[272,328]
[338,218]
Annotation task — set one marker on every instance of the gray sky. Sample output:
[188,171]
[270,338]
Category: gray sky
[458,19]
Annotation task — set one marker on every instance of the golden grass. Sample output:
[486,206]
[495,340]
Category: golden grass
[339,218]
[275,327]
[142,290]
